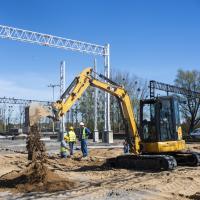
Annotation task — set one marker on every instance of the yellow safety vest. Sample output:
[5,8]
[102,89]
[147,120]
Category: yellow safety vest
[71,136]
[84,136]
[63,150]
[63,147]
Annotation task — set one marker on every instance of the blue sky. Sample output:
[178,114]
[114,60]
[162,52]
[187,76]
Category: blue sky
[149,38]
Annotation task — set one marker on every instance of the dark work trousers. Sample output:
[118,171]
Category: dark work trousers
[63,154]
[84,147]
[126,148]
[71,147]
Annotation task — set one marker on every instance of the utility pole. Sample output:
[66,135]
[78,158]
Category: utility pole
[108,134]
[62,90]
[53,88]
[96,133]
[10,110]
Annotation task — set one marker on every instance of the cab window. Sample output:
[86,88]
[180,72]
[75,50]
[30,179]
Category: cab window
[166,121]
[148,123]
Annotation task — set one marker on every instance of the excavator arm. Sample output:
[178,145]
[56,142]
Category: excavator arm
[78,87]
[73,93]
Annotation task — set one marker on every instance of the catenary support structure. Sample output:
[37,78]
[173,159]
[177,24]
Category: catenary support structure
[170,89]
[12,33]
[6,100]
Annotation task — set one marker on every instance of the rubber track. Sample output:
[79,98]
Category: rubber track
[187,158]
[143,162]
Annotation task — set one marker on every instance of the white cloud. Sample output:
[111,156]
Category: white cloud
[12,89]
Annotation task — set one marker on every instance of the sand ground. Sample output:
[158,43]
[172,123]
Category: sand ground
[97,182]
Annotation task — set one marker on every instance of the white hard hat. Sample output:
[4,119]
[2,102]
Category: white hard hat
[82,124]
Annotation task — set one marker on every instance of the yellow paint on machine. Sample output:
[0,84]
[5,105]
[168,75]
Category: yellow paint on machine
[160,147]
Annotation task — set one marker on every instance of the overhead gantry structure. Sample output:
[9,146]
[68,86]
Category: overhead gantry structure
[50,40]
[5,100]
[172,89]
[22,35]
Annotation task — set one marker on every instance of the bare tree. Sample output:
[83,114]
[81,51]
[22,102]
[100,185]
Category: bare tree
[190,80]
[137,89]
[86,107]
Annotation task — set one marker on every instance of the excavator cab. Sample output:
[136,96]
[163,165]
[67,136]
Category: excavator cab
[160,129]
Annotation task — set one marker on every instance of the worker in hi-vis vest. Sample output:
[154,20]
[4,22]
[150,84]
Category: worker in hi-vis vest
[83,136]
[63,147]
[71,139]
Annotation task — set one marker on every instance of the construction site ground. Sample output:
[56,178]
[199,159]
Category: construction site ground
[91,179]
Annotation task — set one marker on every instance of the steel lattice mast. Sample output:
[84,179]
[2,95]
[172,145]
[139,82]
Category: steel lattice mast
[171,88]
[12,33]
[50,40]
[5,100]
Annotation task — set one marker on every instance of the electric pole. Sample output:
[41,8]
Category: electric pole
[53,88]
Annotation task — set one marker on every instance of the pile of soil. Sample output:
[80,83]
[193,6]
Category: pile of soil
[37,155]
[36,177]
[25,182]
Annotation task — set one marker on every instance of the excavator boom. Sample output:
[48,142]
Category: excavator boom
[81,83]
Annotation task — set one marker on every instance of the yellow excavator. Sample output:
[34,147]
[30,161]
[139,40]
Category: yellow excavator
[156,144]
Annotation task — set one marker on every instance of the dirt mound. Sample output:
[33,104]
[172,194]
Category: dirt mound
[36,177]
[26,182]
[35,147]
[37,154]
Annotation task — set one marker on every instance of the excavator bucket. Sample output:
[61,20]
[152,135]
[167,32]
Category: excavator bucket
[37,112]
